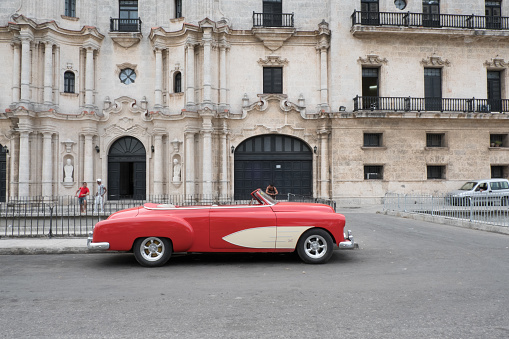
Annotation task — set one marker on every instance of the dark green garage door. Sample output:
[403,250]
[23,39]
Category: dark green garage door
[285,161]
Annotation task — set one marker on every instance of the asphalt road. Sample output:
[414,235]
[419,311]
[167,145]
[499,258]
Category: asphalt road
[409,279]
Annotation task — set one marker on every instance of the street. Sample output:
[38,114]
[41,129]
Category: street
[409,279]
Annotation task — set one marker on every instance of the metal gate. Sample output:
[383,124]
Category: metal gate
[285,161]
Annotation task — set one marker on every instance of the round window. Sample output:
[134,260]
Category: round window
[400,4]
[127,76]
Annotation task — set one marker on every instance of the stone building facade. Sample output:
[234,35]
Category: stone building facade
[334,99]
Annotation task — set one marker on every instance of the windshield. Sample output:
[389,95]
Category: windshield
[266,197]
[468,186]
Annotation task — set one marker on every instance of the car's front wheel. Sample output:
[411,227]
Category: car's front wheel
[152,251]
[315,246]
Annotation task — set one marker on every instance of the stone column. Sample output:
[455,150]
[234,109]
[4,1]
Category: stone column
[48,73]
[223,189]
[89,77]
[158,165]
[25,69]
[207,157]
[189,165]
[222,74]
[159,78]
[207,85]
[16,71]
[324,164]
[190,74]
[47,165]
[24,164]
[323,77]
[88,161]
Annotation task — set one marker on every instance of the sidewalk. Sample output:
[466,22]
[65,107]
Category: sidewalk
[42,245]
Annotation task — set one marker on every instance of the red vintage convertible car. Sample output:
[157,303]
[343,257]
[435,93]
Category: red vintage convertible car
[153,232]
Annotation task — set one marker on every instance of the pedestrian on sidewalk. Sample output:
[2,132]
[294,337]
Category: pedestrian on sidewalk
[99,196]
[82,194]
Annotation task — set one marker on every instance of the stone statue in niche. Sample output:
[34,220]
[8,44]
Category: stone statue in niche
[68,171]
[176,170]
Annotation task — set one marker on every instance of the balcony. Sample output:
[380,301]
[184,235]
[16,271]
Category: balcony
[272,19]
[125,25]
[406,22]
[125,32]
[409,104]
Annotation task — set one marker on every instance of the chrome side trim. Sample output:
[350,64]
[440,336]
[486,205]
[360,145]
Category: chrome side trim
[98,246]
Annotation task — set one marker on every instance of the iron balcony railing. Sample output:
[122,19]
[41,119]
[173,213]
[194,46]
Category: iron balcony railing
[409,104]
[409,19]
[272,19]
[125,25]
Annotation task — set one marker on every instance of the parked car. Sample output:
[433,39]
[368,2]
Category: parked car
[153,232]
[487,191]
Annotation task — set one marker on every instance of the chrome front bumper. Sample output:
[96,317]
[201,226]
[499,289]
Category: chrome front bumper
[98,246]
[348,244]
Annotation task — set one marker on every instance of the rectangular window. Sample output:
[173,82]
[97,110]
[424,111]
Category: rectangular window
[498,171]
[272,13]
[372,140]
[493,10]
[433,89]
[272,80]
[435,140]
[128,16]
[178,8]
[436,172]
[431,13]
[370,12]
[370,88]
[498,140]
[373,172]
[70,8]
[494,103]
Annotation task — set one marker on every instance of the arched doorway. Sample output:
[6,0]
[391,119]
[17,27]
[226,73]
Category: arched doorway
[281,159]
[127,169]
[3,173]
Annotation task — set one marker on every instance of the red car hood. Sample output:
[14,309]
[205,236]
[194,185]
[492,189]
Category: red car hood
[301,206]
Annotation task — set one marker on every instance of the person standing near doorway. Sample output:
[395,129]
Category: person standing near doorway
[99,196]
[82,194]
[272,191]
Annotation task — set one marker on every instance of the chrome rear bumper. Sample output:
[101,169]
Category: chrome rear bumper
[348,244]
[98,246]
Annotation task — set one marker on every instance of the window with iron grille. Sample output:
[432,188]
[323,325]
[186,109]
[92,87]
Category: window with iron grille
[373,172]
[436,172]
[498,140]
[177,83]
[70,8]
[435,140]
[69,79]
[498,171]
[372,140]
[272,80]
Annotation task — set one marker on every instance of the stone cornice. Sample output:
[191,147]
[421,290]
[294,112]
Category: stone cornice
[496,62]
[272,60]
[372,59]
[435,61]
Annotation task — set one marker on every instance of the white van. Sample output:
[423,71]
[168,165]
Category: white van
[487,191]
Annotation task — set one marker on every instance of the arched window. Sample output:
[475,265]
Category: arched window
[177,83]
[69,82]
[70,8]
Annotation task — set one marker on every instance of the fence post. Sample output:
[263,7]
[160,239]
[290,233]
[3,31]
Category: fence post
[50,222]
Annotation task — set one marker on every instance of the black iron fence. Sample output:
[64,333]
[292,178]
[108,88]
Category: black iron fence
[305,198]
[62,215]
[409,19]
[409,104]
[125,25]
[272,19]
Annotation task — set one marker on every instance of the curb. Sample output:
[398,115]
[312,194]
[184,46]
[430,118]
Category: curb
[44,250]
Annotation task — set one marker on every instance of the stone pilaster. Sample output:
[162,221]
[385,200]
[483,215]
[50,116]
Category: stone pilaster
[89,77]
[158,165]
[159,79]
[190,74]
[189,163]
[207,167]
[24,164]
[16,71]
[88,161]
[207,80]
[26,69]
[223,88]
[47,165]
[48,73]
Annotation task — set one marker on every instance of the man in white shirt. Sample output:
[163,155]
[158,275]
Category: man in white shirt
[99,196]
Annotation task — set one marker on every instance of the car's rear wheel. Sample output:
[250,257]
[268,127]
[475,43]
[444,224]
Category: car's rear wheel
[315,246]
[152,251]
